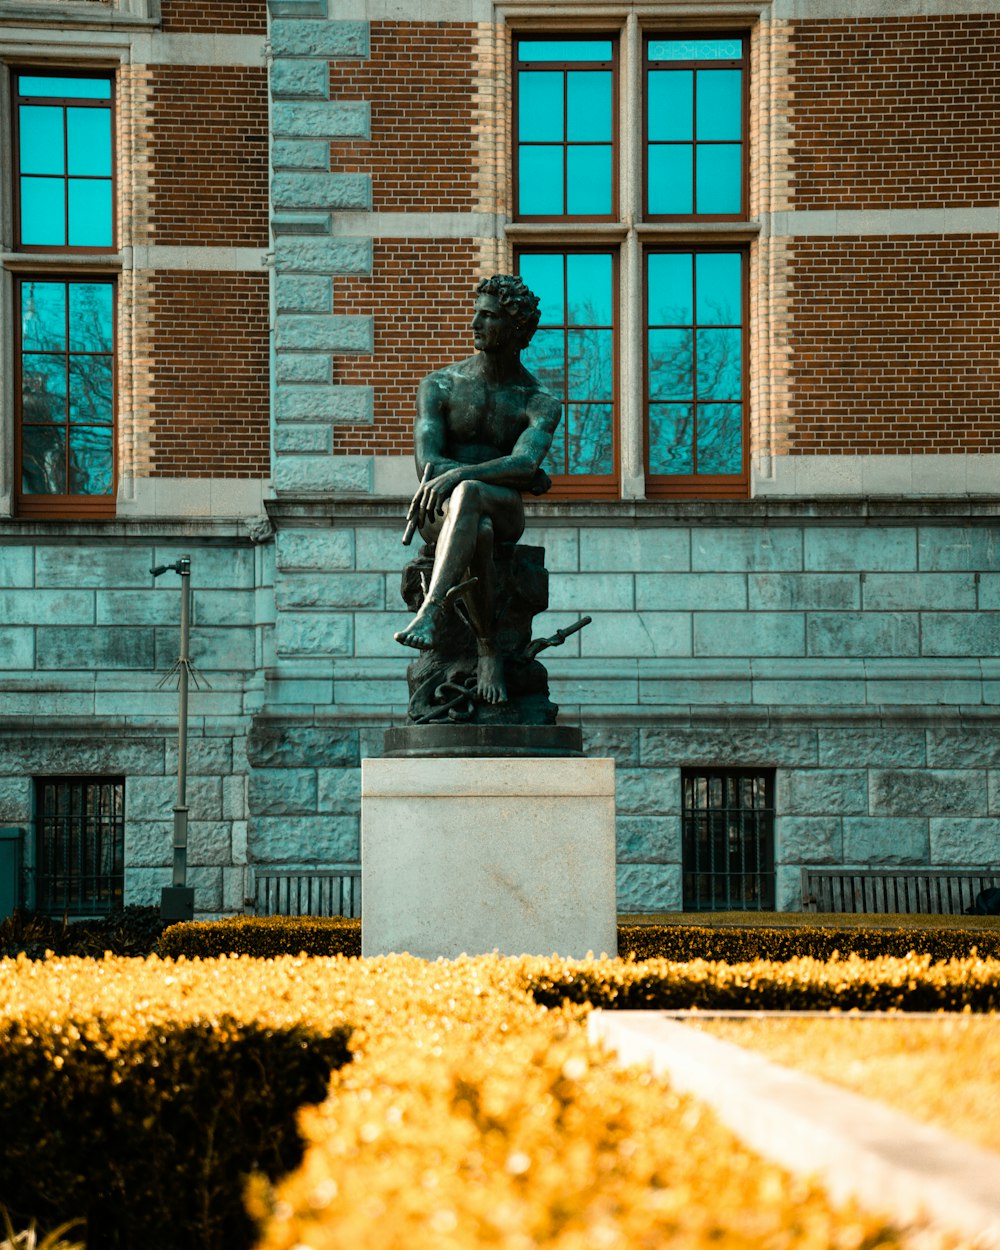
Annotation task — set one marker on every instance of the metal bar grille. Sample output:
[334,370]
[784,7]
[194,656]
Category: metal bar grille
[79,845]
[728,840]
[317,892]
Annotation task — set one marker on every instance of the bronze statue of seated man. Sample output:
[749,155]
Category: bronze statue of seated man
[482,429]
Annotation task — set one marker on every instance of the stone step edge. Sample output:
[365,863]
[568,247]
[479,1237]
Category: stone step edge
[856,1147]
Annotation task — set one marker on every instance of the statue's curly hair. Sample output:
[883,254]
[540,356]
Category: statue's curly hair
[519,304]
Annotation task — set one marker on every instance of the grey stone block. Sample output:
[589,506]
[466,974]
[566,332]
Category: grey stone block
[92,648]
[863,633]
[822,791]
[222,607]
[299,79]
[691,591]
[591,592]
[912,591]
[328,119]
[804,590]
[207,886]
[648,839]
[149,843]
[305,332]
[972,747]
[885,840]
[314,633]
[17,566]
[207,756]
[611,742]
[215,648]
[47,607]
[809,840]
[787,887]
[965,841]
[337,475]
[329,39]
[383,549]
[960,633]
[298,8]
[286,223]
[642,791]
[92,566]
[274,745]
[340,791]
[989,591]
[230,568]
[64,755]
[234,889]
[303,367]
[684,691]
[309,191]
[282,791]
[887,746]
[750,550]
[862,548]
[143,886]
[932,692]
[234,797]
[649,887]
[153,798]
[637,550]
[303,440]
[637,634]
[763,745]
[960,547]
[331,590]
[17,648]
[333,405]
[15,798]
[809,692]
[136,607]
[339,255]
[240,844]
[749,634]
[928,792]
[210,842]
[304,293]
[319,549]
[300,154]
[318,840]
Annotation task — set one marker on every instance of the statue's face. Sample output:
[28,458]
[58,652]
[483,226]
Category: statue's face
[492,329]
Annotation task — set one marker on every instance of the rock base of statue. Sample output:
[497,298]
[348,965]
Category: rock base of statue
[483,741]
[442,681]
[473,855]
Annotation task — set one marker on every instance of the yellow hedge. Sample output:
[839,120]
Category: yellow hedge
[271,936]
[137,1095]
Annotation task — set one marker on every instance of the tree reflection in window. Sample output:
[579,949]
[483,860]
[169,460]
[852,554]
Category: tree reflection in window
[572,355]
[67,386]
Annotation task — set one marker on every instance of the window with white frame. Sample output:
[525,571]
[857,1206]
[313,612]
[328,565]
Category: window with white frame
[637,246]
[64,310]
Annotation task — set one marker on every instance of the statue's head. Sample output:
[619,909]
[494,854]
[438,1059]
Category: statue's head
[518,303]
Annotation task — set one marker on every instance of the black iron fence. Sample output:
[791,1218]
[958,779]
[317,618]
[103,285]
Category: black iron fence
[308,892]
[727,839]
[79,847]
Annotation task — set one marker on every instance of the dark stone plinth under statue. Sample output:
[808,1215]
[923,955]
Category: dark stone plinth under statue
[484,741]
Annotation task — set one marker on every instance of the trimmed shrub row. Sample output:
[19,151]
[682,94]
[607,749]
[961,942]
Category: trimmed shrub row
[267,938]
[142,1107]
[913,983]
[129,931]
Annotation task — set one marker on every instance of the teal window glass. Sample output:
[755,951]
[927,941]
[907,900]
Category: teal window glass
[65,162]
[573,355]
[695,365]
[695,127]
[564,128]
[66,397]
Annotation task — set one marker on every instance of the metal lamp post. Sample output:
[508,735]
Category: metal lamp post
[177,899]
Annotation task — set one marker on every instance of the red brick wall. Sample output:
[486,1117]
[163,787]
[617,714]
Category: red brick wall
[225,17]
[421,293]
[894,345]
[204,341]
[205,142]
[895,113]
[420,80]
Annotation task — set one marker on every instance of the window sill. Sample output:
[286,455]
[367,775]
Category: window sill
[82,13]
[615,231]
[107,262]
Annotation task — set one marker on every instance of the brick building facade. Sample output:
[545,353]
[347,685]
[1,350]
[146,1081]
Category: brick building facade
[765,233]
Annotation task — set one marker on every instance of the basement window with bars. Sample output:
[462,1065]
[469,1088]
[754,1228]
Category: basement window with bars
[79,845]
[727,820]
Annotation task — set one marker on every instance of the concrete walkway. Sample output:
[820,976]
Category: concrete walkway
[856,1147]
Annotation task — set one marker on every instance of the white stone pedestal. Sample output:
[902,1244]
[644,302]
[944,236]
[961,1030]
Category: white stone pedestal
[475,855]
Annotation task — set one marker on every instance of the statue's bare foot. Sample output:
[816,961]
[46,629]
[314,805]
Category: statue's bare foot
[423,629]
[490,684]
